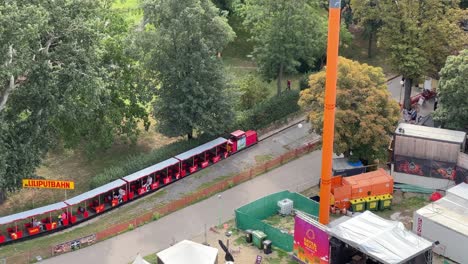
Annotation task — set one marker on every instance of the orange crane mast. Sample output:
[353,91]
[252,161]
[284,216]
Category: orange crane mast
[329,111]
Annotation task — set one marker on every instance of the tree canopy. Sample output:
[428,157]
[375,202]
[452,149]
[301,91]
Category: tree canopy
[181,42]
[367,14]
[418,36]
[452,109]
[58,64]
[284,33]
[366,116]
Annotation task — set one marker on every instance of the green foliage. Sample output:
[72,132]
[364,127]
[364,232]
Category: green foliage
[181,41]
[365,114]
[368,16]
[269,111]
[419,35]
[253,91]
[156,216]
[284,33]
[452,93]
[57,82]
[139,162]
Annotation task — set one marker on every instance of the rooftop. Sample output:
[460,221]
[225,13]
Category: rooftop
[431,133]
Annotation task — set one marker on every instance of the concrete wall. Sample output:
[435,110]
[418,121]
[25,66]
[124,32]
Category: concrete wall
[426,149]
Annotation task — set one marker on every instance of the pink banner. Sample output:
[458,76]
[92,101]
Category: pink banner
[311,244]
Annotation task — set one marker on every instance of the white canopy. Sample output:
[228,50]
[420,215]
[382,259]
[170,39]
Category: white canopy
[140,260]
[37,211]
[188,252]
[145,172]
[95,192]
[201,149]
[384,240]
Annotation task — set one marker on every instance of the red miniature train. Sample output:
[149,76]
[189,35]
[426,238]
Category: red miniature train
[24,225]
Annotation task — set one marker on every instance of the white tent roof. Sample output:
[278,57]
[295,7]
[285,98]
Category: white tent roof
[140,260]
[201,149]
[95,192]
[37,211]
[147,171]
[385,240]
[189,252]
[451,211]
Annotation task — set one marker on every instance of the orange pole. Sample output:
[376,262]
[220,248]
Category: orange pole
[329,109]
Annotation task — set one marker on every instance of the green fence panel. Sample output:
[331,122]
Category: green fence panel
[279,239]
[264,207]
[250,216]
[304,204]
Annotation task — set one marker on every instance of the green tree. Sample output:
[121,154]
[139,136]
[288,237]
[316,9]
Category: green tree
[252,91]
[452,109]
[366,116]
[369,18]
[181,42]
[418,36]
[284,33]
[57,86]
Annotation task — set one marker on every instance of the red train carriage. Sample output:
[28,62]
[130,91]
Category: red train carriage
[202,156]
[33,222]
[153,177]
[79,208]
[97,200]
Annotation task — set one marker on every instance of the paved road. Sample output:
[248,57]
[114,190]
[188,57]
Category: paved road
[297,175]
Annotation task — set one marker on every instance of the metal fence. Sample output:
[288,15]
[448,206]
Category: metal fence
[48,251]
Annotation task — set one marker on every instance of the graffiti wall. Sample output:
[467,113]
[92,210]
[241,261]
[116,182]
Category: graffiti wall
[311,242]
[74,244]
[425,167]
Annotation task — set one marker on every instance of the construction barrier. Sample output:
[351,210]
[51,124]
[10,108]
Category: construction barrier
[153,214]
[250,216]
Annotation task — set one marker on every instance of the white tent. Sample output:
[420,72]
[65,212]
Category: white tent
[188,252]
[384,240]
[140,260]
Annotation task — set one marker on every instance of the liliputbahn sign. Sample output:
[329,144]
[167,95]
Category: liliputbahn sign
[49,184]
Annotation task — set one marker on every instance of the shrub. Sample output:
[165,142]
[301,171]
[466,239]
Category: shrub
[139,162]
[269,111]
[253,91]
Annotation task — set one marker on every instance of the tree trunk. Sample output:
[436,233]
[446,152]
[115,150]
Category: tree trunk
[407,99]
[369,47]
[190,134]
[280,79]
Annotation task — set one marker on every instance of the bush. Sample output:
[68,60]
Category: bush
[253,91]
[269,111]
[139,162]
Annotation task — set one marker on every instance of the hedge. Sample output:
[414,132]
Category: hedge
[138,162]
[262,115]
[269,111]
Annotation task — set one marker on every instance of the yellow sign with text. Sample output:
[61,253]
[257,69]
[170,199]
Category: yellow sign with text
[49,184]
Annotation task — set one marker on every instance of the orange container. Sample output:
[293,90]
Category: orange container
[369,184]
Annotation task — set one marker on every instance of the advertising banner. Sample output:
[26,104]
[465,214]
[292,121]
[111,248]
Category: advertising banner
[48,184]
[425,167]
[74,244]
[311,242]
